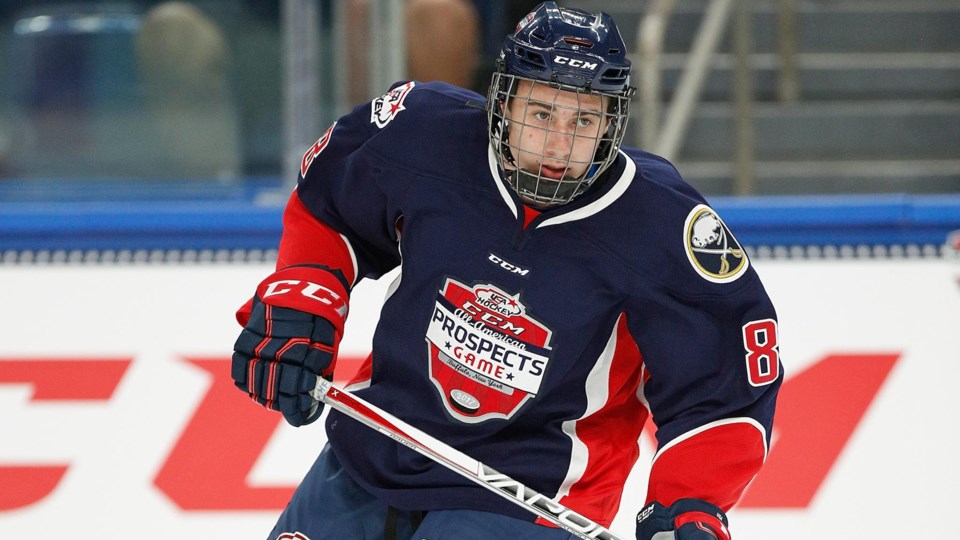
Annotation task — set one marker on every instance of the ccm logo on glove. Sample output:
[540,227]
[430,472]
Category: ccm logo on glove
[291,330]
[309,290]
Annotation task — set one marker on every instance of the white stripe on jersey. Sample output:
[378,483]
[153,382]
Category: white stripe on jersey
[597,387]
[726,421]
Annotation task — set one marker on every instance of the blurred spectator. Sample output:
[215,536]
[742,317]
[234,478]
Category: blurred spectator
[164,94]
[106,90]
[69,86]
[183,59]
[447,40]
[442,43]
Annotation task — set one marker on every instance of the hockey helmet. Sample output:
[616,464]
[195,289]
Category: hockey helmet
[562,80]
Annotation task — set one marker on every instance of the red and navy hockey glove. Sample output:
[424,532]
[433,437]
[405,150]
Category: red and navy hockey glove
[292,328]
[686,519]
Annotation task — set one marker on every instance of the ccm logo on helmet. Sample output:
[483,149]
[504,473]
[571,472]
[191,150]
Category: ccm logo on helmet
[573,62]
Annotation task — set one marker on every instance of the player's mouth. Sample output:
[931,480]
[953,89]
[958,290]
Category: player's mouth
[554,173]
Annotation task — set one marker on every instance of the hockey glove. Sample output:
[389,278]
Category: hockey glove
[292,328]
[686,519]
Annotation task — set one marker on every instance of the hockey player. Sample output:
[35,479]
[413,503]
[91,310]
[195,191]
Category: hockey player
[555,290]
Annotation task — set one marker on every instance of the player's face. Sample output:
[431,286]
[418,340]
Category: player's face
[554,133]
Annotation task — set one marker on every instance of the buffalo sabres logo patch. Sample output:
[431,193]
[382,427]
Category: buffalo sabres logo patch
[386,107]
[712,250]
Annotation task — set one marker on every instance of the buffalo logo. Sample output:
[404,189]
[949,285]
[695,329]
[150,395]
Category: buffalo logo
[292,536]
[386,107]
[486,355]
[712,250]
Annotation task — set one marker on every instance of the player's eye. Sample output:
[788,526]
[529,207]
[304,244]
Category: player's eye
[542,116]
[584,122]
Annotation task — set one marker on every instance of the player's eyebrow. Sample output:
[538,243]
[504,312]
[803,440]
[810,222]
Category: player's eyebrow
[550,107]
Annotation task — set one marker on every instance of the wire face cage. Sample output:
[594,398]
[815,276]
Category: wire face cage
[553,141]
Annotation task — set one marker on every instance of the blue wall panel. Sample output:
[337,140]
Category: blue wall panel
[238,222]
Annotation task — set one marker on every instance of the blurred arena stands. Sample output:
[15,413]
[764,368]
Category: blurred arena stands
[850,96]
[148,103]
[145,158]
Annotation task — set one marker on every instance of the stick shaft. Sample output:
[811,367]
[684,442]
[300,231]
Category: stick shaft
[458,462]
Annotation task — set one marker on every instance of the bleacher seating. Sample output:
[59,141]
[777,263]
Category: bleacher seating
[879,97]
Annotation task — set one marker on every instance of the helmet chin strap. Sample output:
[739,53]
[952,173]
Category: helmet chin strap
[526,187]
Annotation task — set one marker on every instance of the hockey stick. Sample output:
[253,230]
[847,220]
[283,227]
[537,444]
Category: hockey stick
[458,462]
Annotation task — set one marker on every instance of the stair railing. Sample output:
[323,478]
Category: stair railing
[667,140]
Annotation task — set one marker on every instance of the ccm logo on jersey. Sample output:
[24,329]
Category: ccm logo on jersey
[573,62]
[507,266]
[711,248]
[309,290]
[386,107]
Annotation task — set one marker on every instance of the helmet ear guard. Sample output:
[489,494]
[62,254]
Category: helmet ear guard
[569,50]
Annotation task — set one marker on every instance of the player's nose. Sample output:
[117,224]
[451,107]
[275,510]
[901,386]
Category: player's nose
[559,141]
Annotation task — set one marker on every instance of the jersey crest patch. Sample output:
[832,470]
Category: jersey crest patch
[487,356]
[386,107]
[711,248]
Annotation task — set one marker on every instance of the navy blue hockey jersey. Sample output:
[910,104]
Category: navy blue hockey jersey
[536,346]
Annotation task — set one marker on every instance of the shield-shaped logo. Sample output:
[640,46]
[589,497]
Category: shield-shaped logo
[487,356]
[711,248]
[386,107]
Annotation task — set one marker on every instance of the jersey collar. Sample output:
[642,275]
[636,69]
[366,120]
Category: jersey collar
[614,189]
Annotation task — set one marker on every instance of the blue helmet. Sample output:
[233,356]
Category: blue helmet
[567,50]
[570,47]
